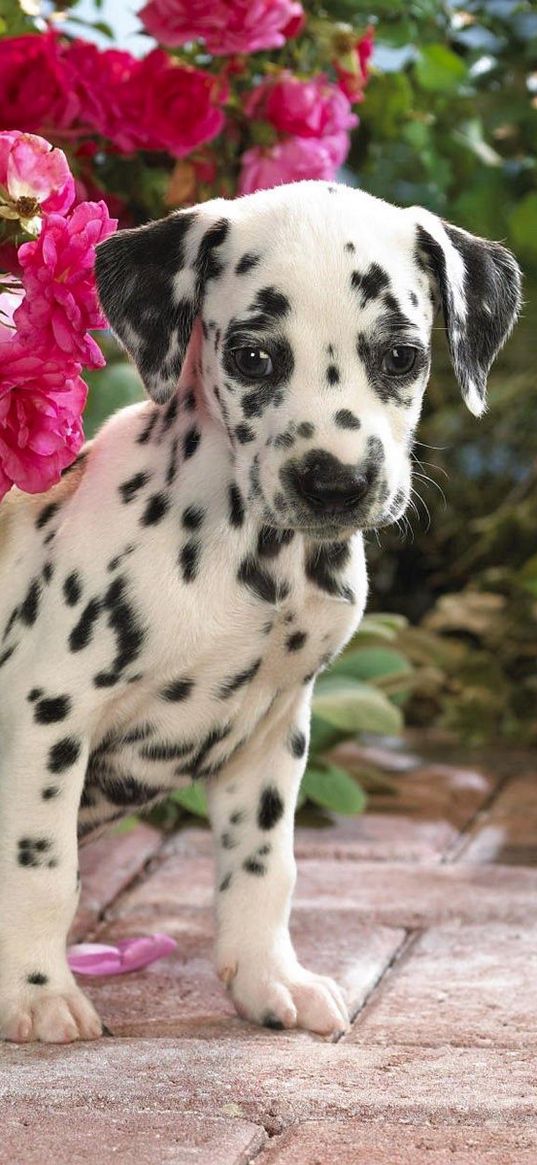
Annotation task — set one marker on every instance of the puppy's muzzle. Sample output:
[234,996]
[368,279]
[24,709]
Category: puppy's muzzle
[328,488]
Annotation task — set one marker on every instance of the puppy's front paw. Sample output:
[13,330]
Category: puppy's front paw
[279,993]
[53,1017]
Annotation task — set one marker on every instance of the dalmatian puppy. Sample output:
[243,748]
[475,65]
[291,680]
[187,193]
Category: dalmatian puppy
[165,608]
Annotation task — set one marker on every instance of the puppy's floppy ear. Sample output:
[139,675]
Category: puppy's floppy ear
[479,287]
[151,282]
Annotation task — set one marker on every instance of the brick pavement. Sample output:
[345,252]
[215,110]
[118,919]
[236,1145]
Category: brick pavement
[423,909]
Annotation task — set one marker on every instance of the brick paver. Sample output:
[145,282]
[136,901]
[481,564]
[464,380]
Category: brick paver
[146,1138]
[423,908]
[353,1142]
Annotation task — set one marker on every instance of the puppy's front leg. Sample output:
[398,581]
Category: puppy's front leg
[41,780]
[252,806]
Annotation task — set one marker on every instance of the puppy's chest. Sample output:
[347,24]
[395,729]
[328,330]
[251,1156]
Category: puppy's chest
[219,652]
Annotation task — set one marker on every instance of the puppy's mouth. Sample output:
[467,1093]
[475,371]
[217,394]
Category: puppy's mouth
[328,528]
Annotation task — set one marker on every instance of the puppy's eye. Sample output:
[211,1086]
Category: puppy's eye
[399,360]
[253,363]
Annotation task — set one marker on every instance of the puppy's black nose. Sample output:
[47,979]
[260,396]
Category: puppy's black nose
[328,486]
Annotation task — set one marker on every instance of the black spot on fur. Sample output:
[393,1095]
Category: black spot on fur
[145,435]
[6,655]
[129,635]
[260,582]
[72,588]
[284,441]
[125,791]
[270,809]
[169,415]
[350,247]
[189,560]
[29,608]
[323,562]
[193,517]
[297,740]
[189,401]
[50,711]
[239,680]
[11,621]
[413,298]
[227,841]
[305,429]
[83,630]
[225,883]
[332,374]
[48,571]
[139,732]
[178,690]
[272,303]
[171,471]
[236,506]
[197,767]
[34,851]
[271,541]
[247,262]
[252,866]
[129,489]
[37,979]
[172,750]
[155,510]
[34,694]
[63,754]
[49,792]
[191,442]
[296,641]
[120,558]
[371,284]
[46,514]
[244,434]
[345,419]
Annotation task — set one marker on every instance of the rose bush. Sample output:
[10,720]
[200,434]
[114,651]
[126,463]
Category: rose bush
[46,311]
[225,26]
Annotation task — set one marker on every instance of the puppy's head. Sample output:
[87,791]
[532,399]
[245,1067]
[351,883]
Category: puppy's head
[315,305]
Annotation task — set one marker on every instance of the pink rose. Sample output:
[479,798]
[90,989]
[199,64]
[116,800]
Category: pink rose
[169,107]
[226,26]
[61,301]
[353,68]
[303,108]
[40,418]
[148,104]
[100,79]
[291,161]
[34,172]
[35,84]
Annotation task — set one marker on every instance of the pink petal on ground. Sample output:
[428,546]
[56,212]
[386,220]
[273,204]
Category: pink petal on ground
[130,954]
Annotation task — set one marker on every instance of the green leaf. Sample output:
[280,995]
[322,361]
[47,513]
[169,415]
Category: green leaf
[523,225]
[323,735]
[355,707]
[112,388]
[192,798]
[127,824]
[439,70]
[527,575]
[334,789]
[370,663]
